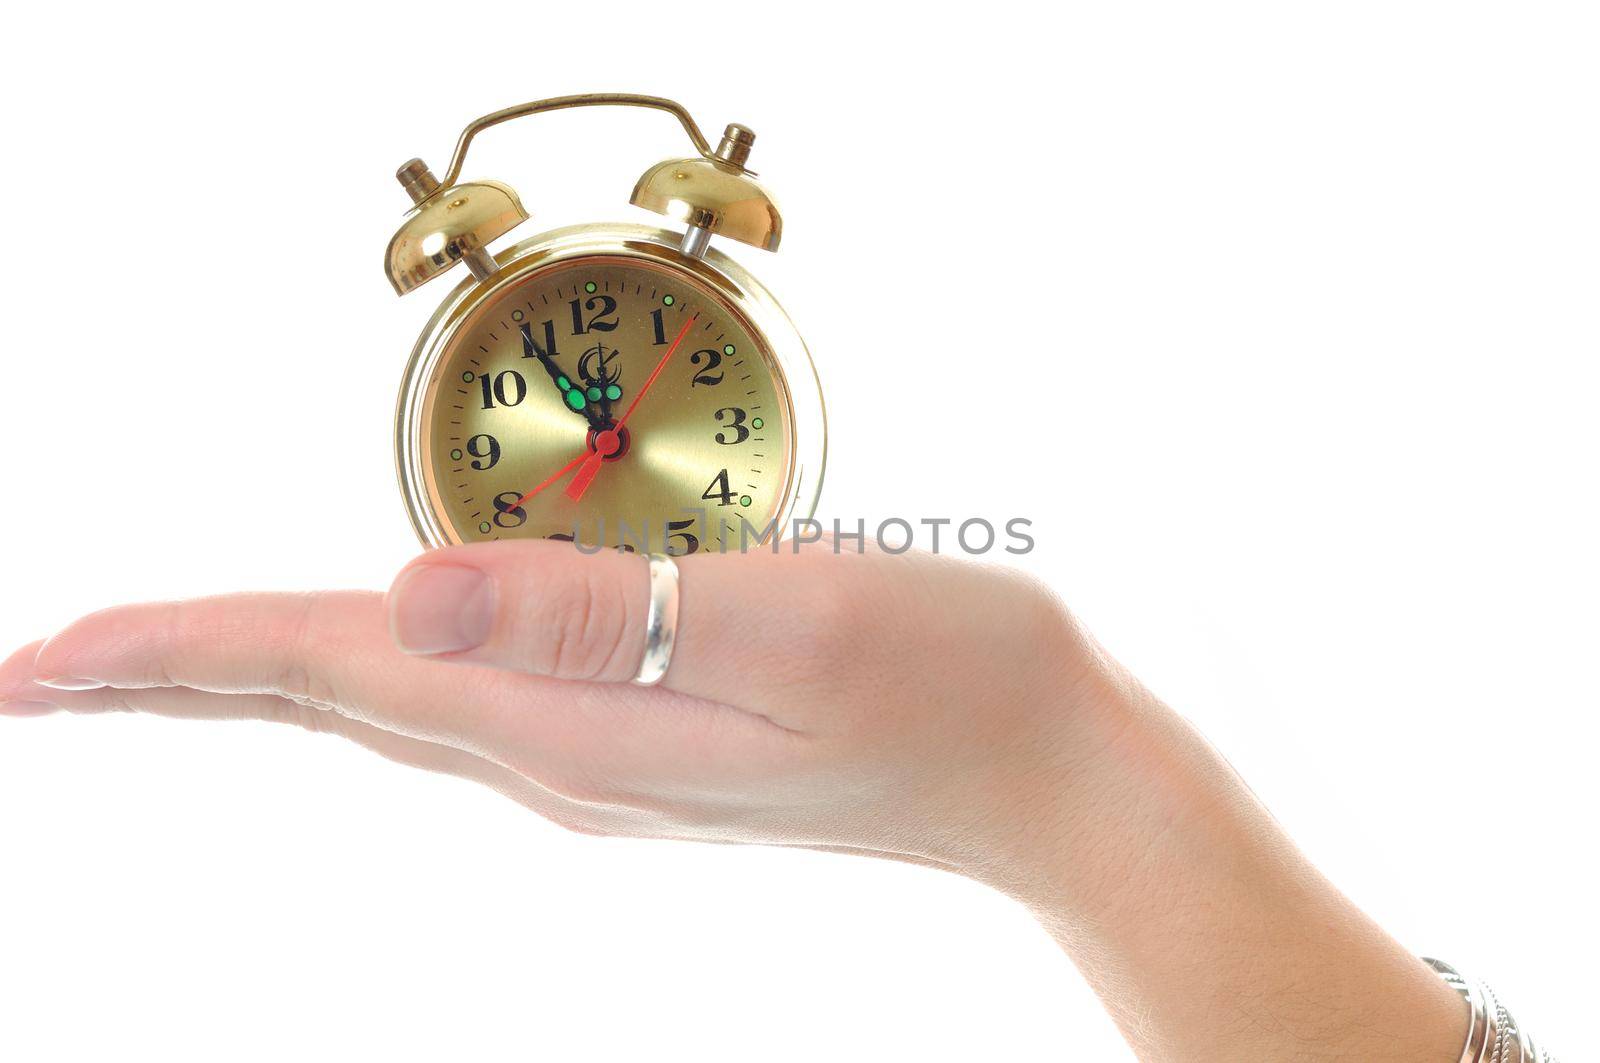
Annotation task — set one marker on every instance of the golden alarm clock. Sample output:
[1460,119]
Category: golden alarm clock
[609,384]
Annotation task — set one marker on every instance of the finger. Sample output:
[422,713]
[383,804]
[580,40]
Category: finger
[587,741]
[19,694]
[18,681]
[748,625]
[330,649]
[184,703]
[188,704]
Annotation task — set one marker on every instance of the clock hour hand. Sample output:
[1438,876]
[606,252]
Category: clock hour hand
[572,395]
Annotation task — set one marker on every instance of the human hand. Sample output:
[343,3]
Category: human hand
[898,705]
[906,706]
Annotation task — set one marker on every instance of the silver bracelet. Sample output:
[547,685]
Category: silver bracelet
[1493,1036]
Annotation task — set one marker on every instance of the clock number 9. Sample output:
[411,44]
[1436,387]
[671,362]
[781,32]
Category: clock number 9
[508,510]
[485,450]
[741,433]
[712,359]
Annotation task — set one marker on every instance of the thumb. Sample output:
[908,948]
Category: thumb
[537,607]
[546,609]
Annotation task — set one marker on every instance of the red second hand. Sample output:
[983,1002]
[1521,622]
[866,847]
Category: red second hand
[608,441]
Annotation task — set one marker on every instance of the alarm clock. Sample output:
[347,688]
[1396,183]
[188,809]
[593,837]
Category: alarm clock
[609,384]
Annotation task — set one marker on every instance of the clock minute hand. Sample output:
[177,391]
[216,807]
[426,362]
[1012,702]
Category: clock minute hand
[570,392]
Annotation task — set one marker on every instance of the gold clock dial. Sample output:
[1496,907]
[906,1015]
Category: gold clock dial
[612,400]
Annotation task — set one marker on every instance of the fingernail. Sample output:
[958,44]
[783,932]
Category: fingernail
[67,682]
[441,609]
[26,708]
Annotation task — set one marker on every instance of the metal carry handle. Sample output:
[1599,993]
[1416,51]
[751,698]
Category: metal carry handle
[735,152]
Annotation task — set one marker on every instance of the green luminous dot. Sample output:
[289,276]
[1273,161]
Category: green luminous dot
[563,383]
[575,399]
[594,394]
[456,455]
[613,392]
[744,500]
[589,287]
[757,423]
[668,300]
[728,350]
[467,377]
[484,527]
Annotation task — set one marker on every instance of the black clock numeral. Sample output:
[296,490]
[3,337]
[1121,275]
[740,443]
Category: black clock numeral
[507,389]
[530,346]
[485,451]
[736,423]
[719,491]
[712,359]
[660,326]
[508,510]
[607,307]
[676,529]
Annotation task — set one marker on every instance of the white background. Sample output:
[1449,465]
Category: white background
[1293,310]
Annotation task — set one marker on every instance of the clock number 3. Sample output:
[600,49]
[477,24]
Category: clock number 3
[735,418]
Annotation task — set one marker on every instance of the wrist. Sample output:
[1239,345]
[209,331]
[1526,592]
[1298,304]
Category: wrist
[1157,870]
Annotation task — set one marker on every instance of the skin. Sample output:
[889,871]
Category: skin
[909,707]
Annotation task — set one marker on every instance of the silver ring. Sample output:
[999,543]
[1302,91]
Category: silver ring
[661,623]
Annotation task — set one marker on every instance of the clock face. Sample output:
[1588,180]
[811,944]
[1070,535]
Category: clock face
[610,400]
